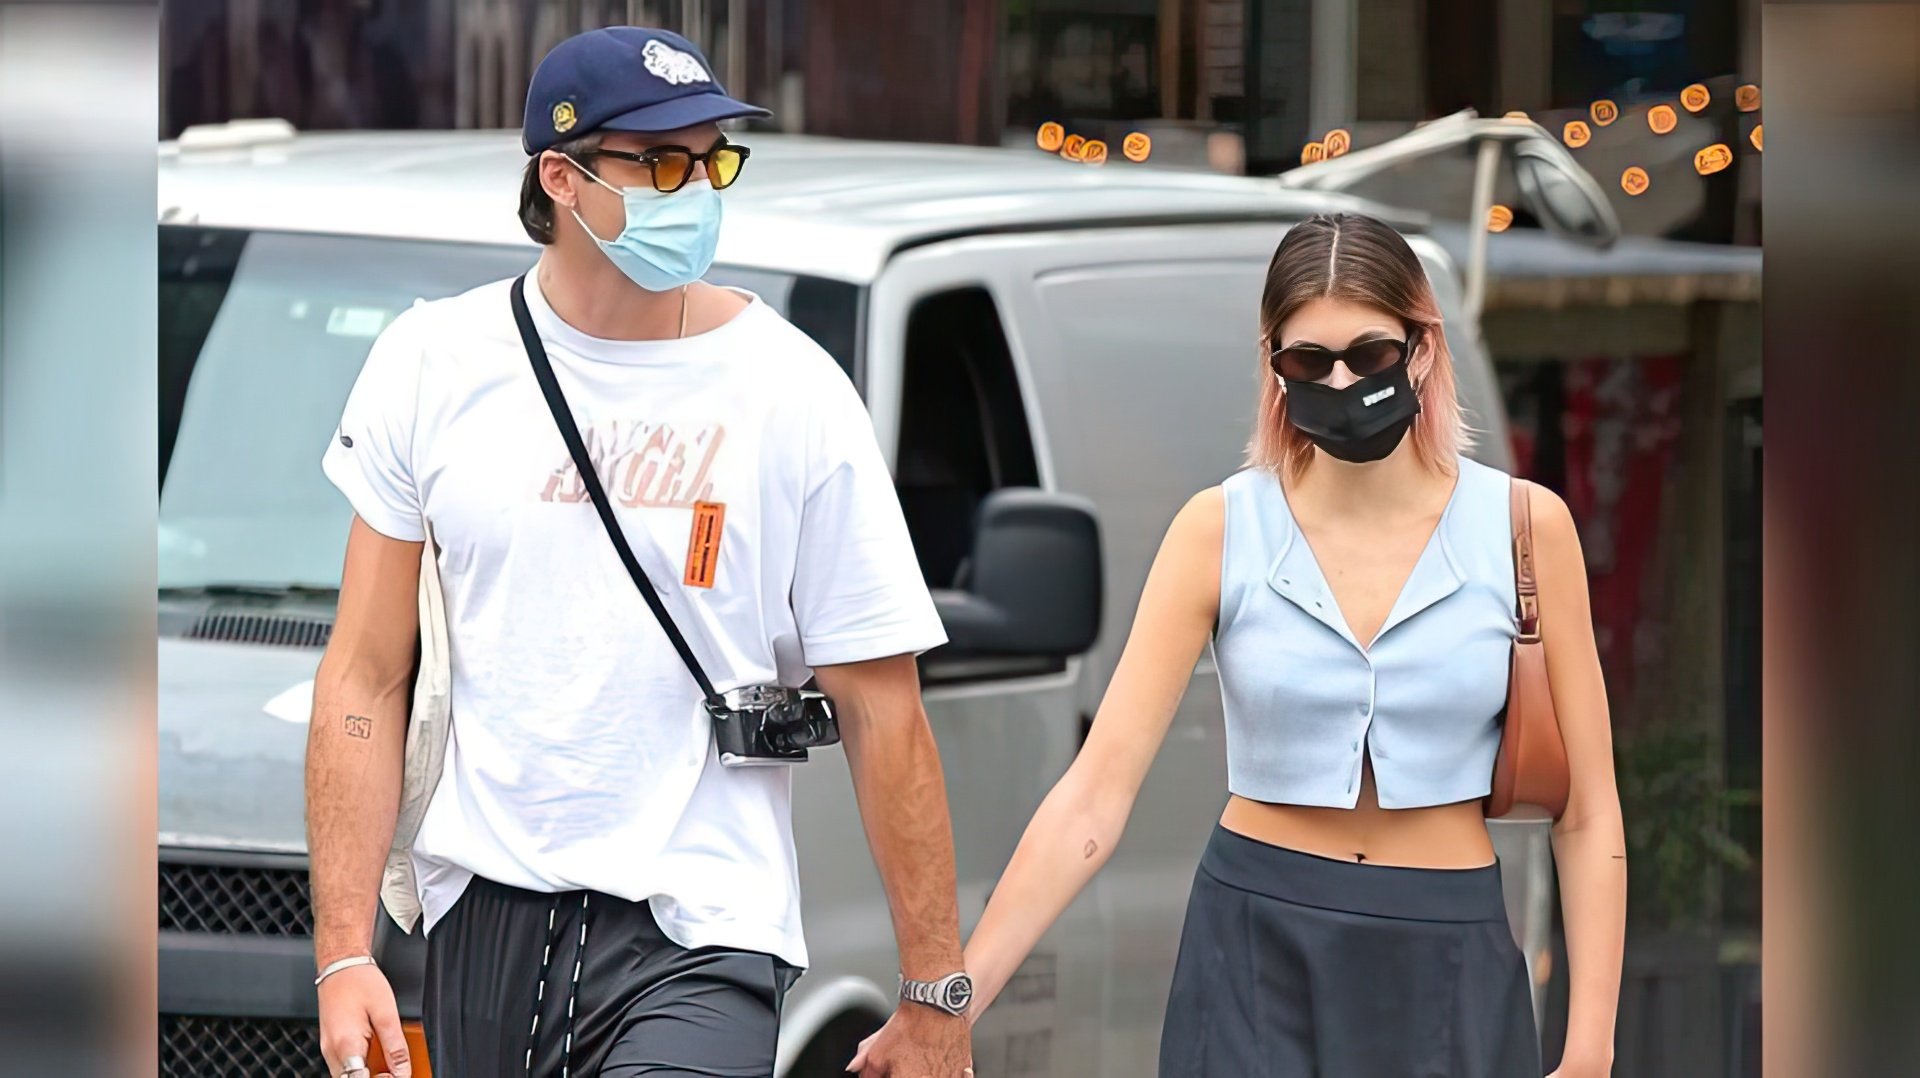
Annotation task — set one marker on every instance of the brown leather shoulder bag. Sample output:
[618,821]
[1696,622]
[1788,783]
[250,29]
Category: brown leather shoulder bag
[1532,766]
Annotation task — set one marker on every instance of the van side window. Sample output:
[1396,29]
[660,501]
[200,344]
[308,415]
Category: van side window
[196,269]
[963,427]
[829,312]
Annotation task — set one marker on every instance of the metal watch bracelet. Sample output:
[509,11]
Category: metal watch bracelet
[952,993]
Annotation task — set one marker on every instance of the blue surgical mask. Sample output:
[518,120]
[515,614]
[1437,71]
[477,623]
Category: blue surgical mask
[669,239]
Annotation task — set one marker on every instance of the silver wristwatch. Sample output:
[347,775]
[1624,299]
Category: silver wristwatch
[952,993]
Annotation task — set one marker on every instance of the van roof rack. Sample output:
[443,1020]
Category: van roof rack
[235,134]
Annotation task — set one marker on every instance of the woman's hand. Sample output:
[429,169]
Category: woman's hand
[1570,1068]
[1081,819]
[859,1063]
[1589,841]
[899,1048]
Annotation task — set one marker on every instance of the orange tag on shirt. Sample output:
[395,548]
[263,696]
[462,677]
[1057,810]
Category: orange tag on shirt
[703,543]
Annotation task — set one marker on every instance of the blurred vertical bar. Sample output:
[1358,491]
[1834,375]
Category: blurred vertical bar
[78,118]
[1842,609]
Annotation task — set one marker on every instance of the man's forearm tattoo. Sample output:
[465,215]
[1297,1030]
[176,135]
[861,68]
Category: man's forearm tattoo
[1092,847]
[359,726]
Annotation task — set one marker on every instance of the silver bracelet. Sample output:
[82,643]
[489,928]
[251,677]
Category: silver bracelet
[344,963]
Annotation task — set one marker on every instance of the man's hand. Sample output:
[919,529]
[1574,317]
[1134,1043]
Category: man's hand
[357,1004]
[356,748]
[917,1042]
[903,805]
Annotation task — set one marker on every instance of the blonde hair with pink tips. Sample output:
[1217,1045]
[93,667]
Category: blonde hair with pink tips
[1357,258]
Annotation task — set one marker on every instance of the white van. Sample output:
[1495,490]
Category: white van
[1034,339]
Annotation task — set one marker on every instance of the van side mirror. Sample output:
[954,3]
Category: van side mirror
[1032,584]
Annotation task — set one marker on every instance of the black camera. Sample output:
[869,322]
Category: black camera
[760,725]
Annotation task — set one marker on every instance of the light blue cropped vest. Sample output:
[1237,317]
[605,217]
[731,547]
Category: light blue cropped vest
[1306,704]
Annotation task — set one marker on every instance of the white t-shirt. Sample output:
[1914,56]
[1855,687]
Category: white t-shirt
[579,756]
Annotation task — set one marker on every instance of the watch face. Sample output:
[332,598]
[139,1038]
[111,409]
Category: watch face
[959,993]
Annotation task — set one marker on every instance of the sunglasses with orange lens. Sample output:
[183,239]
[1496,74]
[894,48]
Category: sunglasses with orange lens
[672,166]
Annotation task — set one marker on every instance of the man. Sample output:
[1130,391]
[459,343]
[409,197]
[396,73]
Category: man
[602,893]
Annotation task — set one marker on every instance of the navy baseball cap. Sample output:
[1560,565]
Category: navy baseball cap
[623,78]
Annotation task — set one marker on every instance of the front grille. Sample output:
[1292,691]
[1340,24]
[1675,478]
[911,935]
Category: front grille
[235,899]
[192,1046]
[273,630]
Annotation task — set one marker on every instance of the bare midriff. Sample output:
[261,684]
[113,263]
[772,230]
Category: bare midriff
[1442,836]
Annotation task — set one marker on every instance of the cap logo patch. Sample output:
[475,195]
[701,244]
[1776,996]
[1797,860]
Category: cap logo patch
[672,65]
[563,117]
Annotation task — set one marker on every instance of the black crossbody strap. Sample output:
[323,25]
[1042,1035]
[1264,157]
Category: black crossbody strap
[570,433]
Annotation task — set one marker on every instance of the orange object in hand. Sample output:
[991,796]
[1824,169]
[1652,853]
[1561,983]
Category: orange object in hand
[416,1052]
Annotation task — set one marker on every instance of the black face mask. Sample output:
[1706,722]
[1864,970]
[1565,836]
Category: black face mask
[1361,423]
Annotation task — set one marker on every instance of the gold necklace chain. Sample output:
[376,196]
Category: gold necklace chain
[683,309]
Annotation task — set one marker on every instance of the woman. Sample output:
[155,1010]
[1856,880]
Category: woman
[1356,583]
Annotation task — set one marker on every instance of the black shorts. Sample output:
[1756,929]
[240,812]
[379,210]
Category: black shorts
[581,984]
[1294,966]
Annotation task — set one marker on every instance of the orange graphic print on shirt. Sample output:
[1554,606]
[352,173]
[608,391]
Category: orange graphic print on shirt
[642,464]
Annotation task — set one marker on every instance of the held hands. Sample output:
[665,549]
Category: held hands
[917,1042]
[355,1006]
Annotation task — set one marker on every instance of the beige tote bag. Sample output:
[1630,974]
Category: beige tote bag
[427,729]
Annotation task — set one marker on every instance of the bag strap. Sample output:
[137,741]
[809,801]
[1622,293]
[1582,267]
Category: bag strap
[570,433]
[1526,586]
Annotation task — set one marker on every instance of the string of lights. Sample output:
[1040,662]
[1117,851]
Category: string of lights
[1661,118]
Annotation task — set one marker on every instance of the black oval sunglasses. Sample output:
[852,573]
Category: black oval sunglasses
[1312,363]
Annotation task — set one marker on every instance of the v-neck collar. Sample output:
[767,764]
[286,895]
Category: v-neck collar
[1296,575]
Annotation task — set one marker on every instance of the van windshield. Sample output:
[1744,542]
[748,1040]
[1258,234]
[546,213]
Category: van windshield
[261,337]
